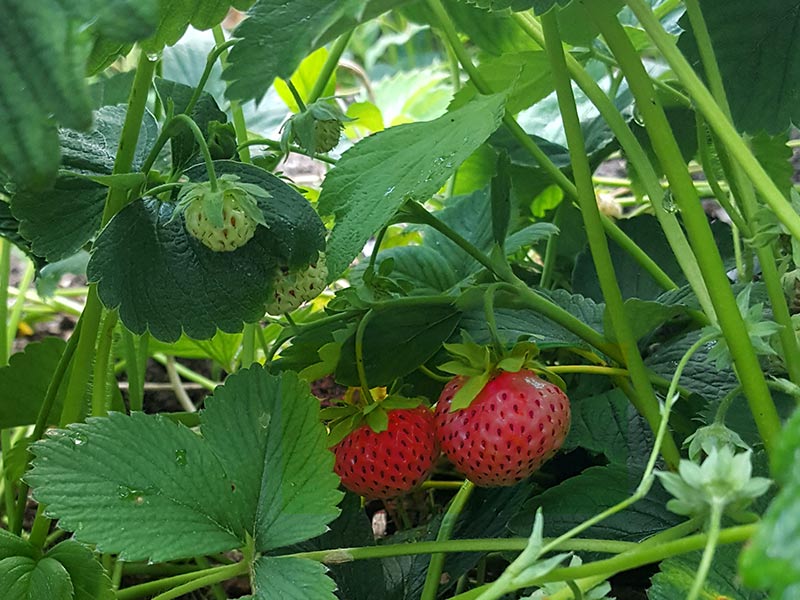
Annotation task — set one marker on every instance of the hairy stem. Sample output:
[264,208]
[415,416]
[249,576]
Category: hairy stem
[647,404]
[434,573]
[329,67]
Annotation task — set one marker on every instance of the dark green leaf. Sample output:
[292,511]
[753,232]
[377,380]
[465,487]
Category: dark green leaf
[396,342]
[199,290]
[758,62]
[775,156]
[24,382]
[275,38]
[608,424]
[676,575]
[13,545]
[175,16]
[184,147]
[644,316]
[596,489]
[375,177]
[60,221]
[29,579]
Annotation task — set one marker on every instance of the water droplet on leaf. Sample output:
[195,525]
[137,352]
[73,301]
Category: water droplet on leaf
[180,457]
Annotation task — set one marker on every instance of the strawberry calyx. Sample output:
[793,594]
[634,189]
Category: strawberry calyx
[480,364]
[242,196]
[354,412]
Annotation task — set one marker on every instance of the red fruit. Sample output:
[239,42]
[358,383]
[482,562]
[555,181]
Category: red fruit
[392,462]
[515,423]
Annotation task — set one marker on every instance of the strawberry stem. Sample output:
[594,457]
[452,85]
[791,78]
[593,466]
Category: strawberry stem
[297,98]
[488,307]
[362,372]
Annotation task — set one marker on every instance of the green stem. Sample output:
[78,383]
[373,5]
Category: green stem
[134,367]
[43,417]
[329,67]
[551,250]
[19,303]
[184,583]
[638,158]
[647,404]
[346,555]
[74,399]
[275,145]
[40,528]
[491,321]
[589,369]
[296,95]
[216,51]
[715,520]
[716,118]
[5,270]
[700,235]
[8,489]
[100,382]
[187,373]
[360,368]
[644,554]
[434,574]
[450,33]
[130,133]
[239,124]
[766,254]
[248,356]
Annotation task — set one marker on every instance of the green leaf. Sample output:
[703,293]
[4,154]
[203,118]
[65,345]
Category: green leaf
[275,38]
[501,201]
[175,16]
[304,79]
[608,424]
[525,74]
[184,147]
[24,382]
[149,489]
[266,432]
[60,221]
[396,342]
[775,156]
[89,579]
[199,290]
[9,229]
[423,156]
[758,62]
[596,489]
[42,60]
[676,575]
[291,579]
[772,559]
[644,316]
[13,545]
[24,578]
[94,151]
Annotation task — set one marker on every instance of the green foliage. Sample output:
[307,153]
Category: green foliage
[365,189]
[755,61]
[260,469]
[771,560]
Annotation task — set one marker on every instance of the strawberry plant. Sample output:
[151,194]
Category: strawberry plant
[399,299]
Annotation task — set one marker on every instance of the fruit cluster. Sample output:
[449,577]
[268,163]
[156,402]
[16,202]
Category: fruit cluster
[515,423]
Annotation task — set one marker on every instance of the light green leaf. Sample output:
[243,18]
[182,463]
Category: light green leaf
[266,432]
[304,79]
[367,118]
[366,188]
[149,489]
[175,16]
[291,579]
[24,382]
[526,74]
[772,559]
[199,290]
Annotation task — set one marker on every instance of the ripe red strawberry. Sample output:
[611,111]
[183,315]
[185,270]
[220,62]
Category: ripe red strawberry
[392,462]
[515,423]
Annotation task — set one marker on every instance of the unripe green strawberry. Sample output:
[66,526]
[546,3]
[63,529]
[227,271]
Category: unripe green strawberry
[292,288]
[223,219]
[317,129]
